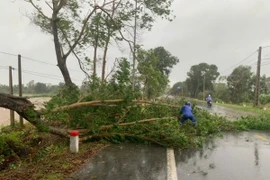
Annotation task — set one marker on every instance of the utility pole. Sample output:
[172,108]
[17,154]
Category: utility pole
[20,82]
[203,74]
[257,89]
[12,122]
[203,86]
[134,46]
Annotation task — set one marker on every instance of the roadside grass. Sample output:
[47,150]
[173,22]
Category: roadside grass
[35,155]
[260,122]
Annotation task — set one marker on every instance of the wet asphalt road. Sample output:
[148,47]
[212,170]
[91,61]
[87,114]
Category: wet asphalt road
[236,156]
[230,113]
[239,156]
[124,162]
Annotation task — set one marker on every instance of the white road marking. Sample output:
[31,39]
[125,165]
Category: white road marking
[171,165]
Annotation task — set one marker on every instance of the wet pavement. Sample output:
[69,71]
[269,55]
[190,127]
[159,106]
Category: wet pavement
[231,114]
[234,157]
[126,162]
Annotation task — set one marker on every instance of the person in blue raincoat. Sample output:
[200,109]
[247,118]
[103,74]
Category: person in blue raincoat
[187,114]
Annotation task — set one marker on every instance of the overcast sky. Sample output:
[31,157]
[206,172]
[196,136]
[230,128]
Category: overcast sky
[221,32]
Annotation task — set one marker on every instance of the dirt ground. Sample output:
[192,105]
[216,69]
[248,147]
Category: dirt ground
[5,113]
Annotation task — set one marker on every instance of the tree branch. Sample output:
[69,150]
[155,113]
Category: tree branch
[91,103]
[60,6]
[49,5]
[38,9]
[105,127]
[120,32]
[69,44]
[81,32]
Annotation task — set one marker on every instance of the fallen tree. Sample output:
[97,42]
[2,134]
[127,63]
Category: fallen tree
[26,109]
[118,120]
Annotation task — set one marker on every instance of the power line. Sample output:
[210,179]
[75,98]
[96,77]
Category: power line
[265,47]
[32,59]
[8,53]
[4,67]
[266,55]
[239,62]
[48,76]
[265,64]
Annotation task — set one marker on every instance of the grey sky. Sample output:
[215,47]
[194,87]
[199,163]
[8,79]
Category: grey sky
[221,32]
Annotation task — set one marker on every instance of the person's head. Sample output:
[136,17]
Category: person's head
[187,103]
[209,95]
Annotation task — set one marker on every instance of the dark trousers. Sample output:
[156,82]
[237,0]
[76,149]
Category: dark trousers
[185,118]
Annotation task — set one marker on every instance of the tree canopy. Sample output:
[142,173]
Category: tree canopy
[199,75]
[239,83]
[77,25]
[154,67]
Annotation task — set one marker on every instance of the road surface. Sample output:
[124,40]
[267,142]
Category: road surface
[235,156]
[231,114]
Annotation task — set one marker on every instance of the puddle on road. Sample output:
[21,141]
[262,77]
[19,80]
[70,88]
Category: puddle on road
[233,157]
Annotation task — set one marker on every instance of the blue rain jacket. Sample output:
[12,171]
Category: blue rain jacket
[186,111]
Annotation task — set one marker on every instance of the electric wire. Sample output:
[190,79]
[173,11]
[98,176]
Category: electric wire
[35,60]
[239,62]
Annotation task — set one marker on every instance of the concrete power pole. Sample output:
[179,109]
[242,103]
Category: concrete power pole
[12,122]
[20,82]
[257,89]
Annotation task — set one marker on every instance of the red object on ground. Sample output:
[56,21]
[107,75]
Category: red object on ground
[74,133]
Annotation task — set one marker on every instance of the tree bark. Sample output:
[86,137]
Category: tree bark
[61,59]
[26,109]
[105,57]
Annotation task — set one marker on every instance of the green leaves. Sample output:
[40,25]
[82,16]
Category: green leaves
[154,68]
[200,74]
[239,83]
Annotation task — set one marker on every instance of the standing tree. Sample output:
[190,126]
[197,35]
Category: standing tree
[240,84]
[69,22]
[154,68]
[199,75]
[221,92]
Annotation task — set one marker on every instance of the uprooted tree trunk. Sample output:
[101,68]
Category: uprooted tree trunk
[26,109]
